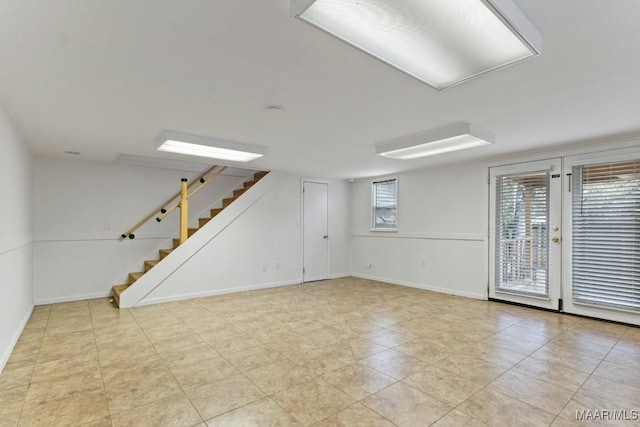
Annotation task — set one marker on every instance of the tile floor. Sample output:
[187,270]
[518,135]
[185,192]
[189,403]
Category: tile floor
[346,352]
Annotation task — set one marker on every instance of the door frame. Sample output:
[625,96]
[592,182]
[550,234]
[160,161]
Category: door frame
[554,166]
[302,228]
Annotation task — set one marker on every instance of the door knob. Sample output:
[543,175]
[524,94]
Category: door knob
[325,237]
[555,239]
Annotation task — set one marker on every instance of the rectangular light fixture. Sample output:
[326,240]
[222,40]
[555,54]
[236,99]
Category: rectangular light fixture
[193,145]
[440,42]
[457,136]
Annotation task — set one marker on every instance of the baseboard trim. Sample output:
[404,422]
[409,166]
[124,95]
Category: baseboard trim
[422,286]
[72,298]
[14,340]
[340,275]
[151,301]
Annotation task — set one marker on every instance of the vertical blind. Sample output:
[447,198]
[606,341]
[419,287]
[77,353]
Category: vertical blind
[522,213]
[384,204]
[606,234]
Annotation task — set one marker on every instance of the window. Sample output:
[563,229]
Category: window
[384,202]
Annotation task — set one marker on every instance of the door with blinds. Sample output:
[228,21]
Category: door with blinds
[602,236]
[524,233]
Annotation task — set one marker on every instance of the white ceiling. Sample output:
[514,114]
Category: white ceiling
[105,77]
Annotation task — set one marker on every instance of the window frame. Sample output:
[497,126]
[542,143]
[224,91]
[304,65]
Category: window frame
[373,205]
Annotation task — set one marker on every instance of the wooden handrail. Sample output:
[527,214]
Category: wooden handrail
[161,208]
[188,196]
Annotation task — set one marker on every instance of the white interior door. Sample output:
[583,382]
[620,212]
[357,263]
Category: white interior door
[524,233]
[602,243]
[315,231]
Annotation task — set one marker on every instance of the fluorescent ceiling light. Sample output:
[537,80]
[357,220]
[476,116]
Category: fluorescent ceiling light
[440,42]
[193,145]
[450,138]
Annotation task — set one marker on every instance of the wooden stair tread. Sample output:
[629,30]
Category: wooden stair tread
[191,231]
[249,184]
[135,276]
[164,252]
[259,174]
[203,221]
[116,291]
[149,264]
[176,243]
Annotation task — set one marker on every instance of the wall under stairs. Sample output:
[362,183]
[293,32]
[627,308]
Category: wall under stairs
[253,243]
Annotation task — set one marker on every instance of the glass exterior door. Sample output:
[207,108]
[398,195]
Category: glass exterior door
[524,233]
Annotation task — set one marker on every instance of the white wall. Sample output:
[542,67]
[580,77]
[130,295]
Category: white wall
[339,228]
[16,260]
[267,234]
[441,243]
[76,257]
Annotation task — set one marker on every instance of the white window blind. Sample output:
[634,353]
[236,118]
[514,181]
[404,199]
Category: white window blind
[606,234]
[522,217]
[384,203]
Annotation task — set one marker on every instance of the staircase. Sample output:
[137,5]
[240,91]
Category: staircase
[162,253]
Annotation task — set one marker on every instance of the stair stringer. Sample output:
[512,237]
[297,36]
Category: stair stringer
[179,256]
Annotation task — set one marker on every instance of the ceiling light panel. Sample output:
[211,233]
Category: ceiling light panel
[194,145]
[440,42]
[458,136]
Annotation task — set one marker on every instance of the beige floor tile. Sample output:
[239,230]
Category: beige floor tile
[357,415]
[492,353]
[623,358]
[128,392]
[619,373]
[264,412]
[497,409]
[203,372]
[552,373]
[389,337]
[9,420]
[538,393]
[73,410]
[279,376]
[63,387]
[424,350]
[623,395]
[357,348]
[358,380]
[583,343]
[252,358]
[87,363]
[11,378]
[12,400]
[225,395]
[443,385]
[394,364]
[174,411]
[522,344]
[456,418]
[189,355]
[472,368]
[67,346]
[21,359]
[322,360]
[406,406]
[312,401]
[565,357]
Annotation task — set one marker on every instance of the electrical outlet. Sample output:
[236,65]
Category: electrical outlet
[367,264]
[107,224]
